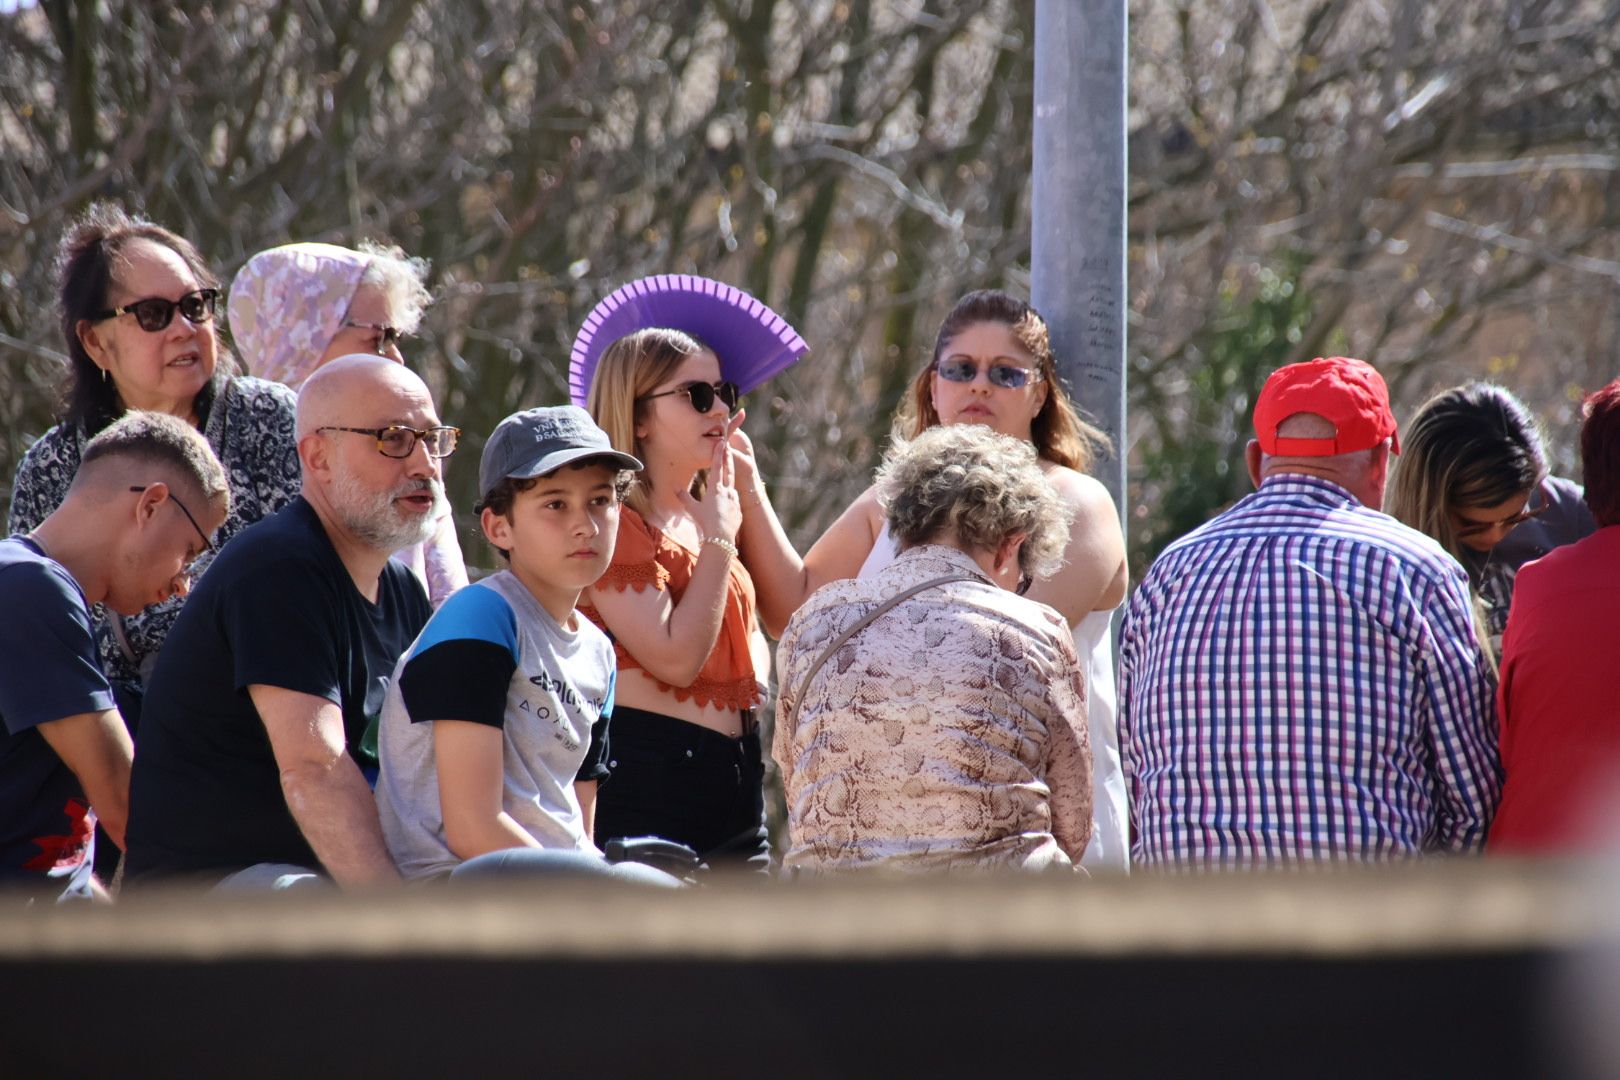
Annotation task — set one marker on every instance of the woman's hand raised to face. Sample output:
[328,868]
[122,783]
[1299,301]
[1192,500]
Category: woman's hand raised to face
[744,469]
[719,512]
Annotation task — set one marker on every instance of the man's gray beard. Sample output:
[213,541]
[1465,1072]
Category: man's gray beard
[376,521]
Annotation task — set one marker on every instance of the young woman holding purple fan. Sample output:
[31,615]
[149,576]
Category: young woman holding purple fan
[660,363]
[684,750]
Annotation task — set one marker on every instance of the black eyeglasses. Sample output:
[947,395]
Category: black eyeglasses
[1006,376]
[386,335]
[1470,527]
[398,441]
[156,313]
[702,394]
[208,545]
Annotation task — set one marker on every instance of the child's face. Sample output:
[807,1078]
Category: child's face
[561,531]
[672,430]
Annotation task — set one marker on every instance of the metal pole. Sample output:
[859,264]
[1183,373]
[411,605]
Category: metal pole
[1077,258]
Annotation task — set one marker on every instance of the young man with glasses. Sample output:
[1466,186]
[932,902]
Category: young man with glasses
[260,727]
[144,504]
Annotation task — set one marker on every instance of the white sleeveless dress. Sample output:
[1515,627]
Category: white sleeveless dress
[1094,644]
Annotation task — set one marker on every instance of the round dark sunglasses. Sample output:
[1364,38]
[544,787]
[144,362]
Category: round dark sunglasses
[702,394]
[1006,376]
[156,313]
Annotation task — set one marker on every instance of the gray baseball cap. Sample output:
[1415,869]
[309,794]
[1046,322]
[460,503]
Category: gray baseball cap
[538,441]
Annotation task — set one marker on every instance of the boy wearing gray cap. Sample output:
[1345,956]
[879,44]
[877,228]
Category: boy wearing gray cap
[493,734]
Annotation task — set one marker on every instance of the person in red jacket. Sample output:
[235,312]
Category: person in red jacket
[1557,704]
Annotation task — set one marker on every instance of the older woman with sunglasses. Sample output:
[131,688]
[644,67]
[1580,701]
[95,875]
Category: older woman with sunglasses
[1472,474]
[137,304]
[992,365]
[298,306]
[685,757]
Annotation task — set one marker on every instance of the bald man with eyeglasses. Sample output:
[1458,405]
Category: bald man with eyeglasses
[258,744]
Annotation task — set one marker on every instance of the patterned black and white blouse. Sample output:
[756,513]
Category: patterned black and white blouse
[250,425]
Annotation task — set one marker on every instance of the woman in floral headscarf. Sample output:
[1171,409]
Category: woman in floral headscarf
[297,306]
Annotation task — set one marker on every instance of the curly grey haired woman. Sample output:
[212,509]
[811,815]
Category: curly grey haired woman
[931,716]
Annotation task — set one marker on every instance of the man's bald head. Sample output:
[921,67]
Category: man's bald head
[382,501]
[351,388]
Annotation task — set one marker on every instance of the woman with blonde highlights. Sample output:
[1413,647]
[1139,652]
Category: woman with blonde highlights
[684,756]
[992,365]
[1472,474]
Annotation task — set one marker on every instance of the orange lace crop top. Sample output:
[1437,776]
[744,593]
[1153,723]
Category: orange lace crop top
[644,556]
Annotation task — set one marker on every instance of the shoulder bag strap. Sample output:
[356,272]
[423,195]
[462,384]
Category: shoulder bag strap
[856,627]
[115,622]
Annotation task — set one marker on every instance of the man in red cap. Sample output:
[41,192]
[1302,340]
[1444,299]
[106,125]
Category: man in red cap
[1299,677]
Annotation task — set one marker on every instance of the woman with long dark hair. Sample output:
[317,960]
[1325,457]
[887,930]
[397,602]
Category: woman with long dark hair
[1560,728]
[137,305]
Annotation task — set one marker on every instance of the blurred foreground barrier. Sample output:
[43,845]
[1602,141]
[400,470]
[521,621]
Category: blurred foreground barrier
[1444,971]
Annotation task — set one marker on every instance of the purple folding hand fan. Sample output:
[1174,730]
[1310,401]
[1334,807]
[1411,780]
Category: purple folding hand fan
[752,341]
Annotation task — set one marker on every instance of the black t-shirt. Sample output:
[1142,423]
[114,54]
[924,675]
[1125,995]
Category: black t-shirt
[48,671]
[277,608]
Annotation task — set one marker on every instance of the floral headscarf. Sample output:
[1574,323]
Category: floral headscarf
[288,303]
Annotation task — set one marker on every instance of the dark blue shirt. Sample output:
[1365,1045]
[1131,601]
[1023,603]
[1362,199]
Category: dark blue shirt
[48,671]
[277,608]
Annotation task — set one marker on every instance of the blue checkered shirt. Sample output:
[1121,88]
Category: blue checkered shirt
[1300,680]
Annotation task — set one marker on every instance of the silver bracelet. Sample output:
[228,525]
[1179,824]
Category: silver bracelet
[723,544]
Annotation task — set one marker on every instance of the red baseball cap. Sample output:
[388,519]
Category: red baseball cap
[1347,393]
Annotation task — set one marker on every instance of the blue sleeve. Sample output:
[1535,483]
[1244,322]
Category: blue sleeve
[48,665]
[461,666]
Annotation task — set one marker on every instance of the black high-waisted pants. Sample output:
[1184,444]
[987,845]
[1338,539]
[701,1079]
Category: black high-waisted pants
[684,782]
